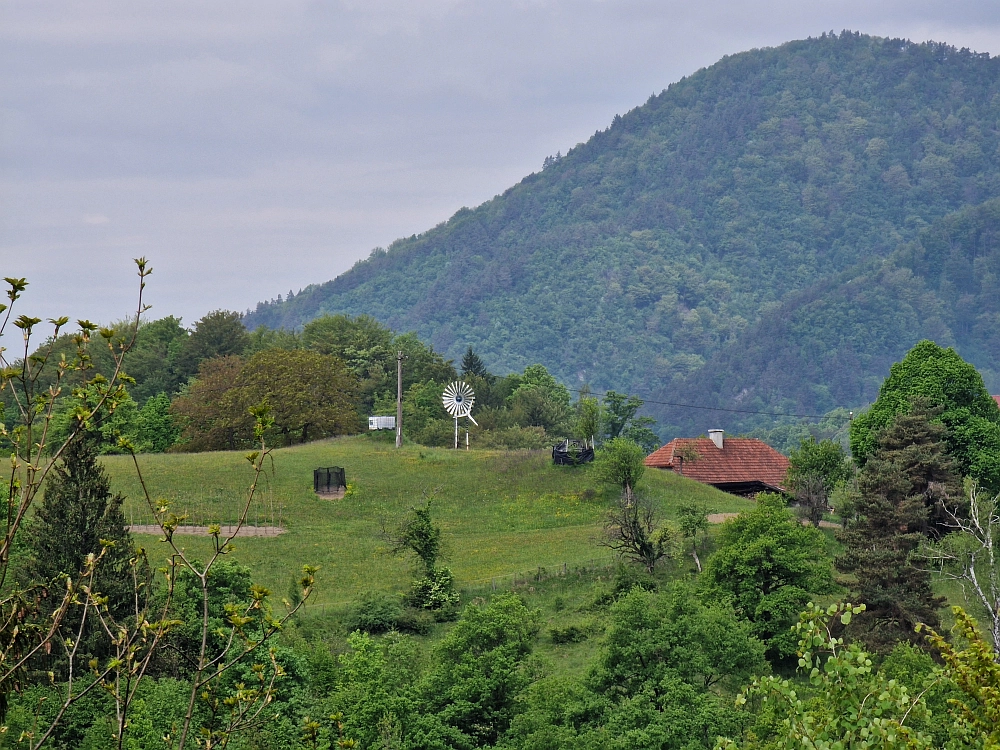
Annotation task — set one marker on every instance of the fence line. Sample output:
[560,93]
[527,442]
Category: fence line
[521,578]
[214,506]
[539,573]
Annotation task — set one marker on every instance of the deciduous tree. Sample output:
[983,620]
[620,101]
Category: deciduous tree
[848,705]
[635,533]
[204,421]
[815,468]
[310,395]
[621,462]
[769,565]
[218,334]
[946,381]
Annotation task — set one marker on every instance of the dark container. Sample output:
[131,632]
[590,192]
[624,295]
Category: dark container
[330,479]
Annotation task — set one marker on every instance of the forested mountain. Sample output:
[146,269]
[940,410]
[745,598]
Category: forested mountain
[768,233]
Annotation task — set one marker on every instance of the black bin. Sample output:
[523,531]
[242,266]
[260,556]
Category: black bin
[329,479]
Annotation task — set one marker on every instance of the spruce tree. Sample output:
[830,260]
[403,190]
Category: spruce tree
[77,512]
[473,365]
[892,512]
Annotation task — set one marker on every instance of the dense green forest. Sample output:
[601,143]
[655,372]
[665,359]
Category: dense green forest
[769,233]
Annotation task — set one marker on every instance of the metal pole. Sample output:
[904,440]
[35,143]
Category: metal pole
[399,399]
[456,433]
[466,440]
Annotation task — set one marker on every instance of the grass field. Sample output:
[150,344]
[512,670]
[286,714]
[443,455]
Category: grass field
[501,512]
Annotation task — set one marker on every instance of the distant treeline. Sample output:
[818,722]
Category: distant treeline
[193,390]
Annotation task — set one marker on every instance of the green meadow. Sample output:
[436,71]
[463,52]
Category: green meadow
[501,512]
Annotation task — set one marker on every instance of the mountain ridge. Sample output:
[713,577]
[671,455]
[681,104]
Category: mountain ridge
[639,257]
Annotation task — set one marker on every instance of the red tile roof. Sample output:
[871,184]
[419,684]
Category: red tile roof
[997,399]
[740,460]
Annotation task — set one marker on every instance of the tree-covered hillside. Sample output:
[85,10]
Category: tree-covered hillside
[772,231]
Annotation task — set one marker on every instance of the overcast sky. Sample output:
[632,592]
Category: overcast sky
[250,147]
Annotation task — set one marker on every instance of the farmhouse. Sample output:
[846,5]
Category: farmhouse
[740,466]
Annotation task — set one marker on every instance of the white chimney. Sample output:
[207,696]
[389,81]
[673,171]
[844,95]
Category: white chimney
[717,437]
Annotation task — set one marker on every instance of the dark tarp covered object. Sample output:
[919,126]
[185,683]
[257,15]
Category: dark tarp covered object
[572,453]
[329,479]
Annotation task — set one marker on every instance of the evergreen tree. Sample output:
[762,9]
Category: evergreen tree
[899,487]
[473,365]
[76,514]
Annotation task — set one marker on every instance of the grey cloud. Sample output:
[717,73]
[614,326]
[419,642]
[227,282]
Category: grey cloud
[257,146]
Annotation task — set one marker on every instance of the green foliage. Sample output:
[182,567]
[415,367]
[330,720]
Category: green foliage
[692,519]
[943,379]
[975,670]
[262,338]
[620,462]
[628,577]
[310,395]
[77,516]
[907,478]
[218,334]
[376,680]
[620,420]
[473,365]
[419,535]
[155,429]
[824,459]
[376,612]
[473,690]
[434,588]
[230,584]
[589,419]
[917,671]
[655,636]
[769,565]
[539,400]
[815,469]
[153,362]
[847,702]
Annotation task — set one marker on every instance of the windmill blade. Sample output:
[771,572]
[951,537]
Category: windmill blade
[458,399]
[472,420]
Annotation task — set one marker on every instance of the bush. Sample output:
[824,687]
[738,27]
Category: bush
[376,612]
[439,433]
[628,577]
[569,634]
[414,620]
[512,438]
[434,591]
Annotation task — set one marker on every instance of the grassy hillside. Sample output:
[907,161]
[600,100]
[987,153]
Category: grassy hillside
[749,192]
[501,512]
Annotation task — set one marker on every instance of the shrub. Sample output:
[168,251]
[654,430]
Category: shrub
[569,634]
[376,612]
[628,577]
[414,620]
[434,591]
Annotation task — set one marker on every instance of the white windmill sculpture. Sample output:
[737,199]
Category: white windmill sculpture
[458,399]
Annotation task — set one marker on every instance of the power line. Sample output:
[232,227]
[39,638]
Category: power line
[716,408]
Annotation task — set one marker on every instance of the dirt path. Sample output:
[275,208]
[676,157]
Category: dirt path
[226,531]
[720,517]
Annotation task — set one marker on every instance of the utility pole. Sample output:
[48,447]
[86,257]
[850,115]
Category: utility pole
[399,399]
